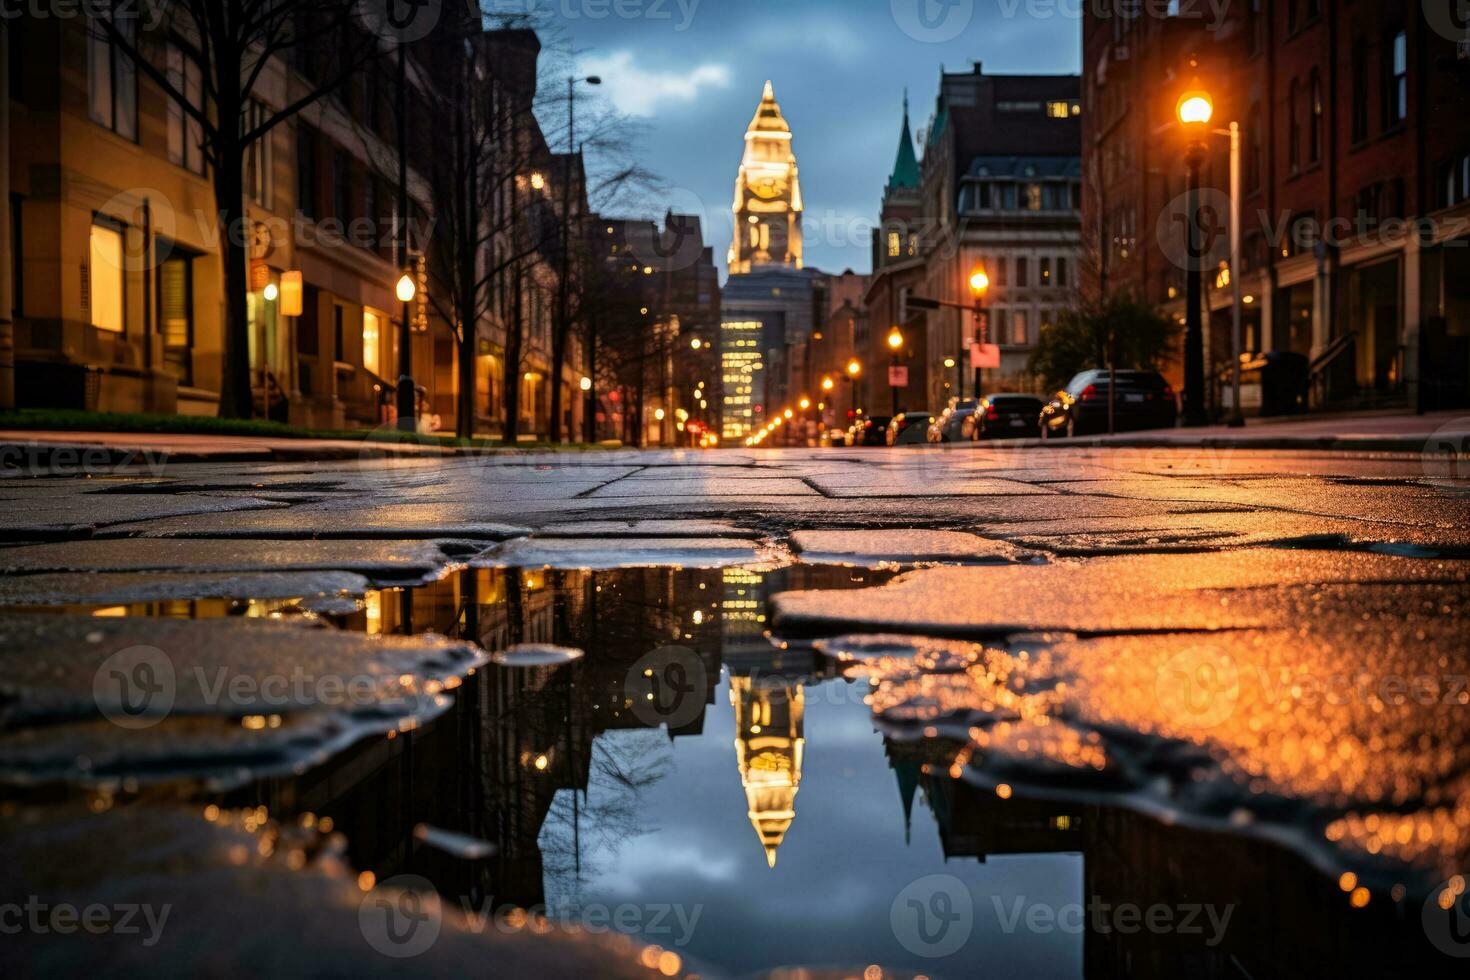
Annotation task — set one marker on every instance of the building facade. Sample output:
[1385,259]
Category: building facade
[118,298]
[1355,187]
[998,189]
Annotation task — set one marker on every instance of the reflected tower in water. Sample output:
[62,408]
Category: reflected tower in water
[768,751]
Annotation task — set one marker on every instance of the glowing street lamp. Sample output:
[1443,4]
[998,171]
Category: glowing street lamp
[787,414]
[1195,109]
[895,339]
[854,368]
[828,384]
[586,383]
[805,403]
[696,343]
[979,282]
[406,288]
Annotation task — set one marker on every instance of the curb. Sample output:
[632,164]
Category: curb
[1401,445]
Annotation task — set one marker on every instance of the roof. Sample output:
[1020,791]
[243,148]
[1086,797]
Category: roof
[906,165]
[768,118]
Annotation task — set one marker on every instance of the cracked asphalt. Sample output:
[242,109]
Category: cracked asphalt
[1264,643]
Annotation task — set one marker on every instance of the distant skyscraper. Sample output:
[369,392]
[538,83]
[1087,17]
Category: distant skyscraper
[767,195]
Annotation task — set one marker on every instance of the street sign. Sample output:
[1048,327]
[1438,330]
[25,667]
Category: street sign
[898,376]
[984,355]
[921,303]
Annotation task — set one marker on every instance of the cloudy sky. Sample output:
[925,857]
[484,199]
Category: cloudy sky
[691,71]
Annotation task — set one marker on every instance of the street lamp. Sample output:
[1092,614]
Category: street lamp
[979,287]
[895,342]
[828,384]
[1195,108]
[405,290]
[407,402]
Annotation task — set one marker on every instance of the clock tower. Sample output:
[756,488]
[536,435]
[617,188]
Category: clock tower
[767,195]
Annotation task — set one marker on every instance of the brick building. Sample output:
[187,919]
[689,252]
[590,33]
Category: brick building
[1355,171]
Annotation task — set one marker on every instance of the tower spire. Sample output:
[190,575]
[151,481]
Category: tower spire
[905,166]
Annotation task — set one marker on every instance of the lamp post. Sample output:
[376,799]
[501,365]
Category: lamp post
[979,286]
[854,368]
[407,400]
[895,343]
[563,301]
[1194,109]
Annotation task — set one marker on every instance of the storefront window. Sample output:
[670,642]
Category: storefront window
[372,341]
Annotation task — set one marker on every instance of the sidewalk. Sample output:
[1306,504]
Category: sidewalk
[1402,432]
[26,446]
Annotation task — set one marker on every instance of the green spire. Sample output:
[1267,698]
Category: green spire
[906,167]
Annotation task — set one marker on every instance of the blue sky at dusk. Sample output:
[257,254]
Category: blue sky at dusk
[691,73]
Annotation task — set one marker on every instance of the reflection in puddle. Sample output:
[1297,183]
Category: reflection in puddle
[694,782]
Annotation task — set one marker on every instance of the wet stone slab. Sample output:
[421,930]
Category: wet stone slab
[241,895]
[622,552]
[120,588]
[1141,593]
[91,698]
[355,520]
[397,560]
[869,547]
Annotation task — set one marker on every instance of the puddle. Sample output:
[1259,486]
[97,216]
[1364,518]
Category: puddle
[698,784]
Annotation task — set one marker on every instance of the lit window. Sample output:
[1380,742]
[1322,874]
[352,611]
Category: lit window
[893,245]
[106,278]
[258,159]
[1058,110]
[372,336]
[1033,197]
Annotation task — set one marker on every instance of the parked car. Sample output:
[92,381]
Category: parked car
[955,425]
[1144,400]
[910,428]
[1010,416]
[871,431]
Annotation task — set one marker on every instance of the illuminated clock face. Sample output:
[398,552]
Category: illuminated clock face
[769,188]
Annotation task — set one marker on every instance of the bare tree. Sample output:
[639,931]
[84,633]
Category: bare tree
[234,42]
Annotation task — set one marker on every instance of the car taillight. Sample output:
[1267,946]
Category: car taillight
[991,413]
[1088,394]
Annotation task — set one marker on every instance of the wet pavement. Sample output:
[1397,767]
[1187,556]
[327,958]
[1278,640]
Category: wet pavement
[1073,712]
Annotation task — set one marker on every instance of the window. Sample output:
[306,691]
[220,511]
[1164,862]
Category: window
[176,315]
[1396,96]
[894,246]
[1061,270]
[1058,110]
[1360,90]
[307,201]
[1033,197]
[1044,271]
[185,135]
[372,338]
[1294,127]
[338,340]
[112,79]
[105,278]
[1316,134]
[258,155]
[1021,271]
[997,269]
[1018,327]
